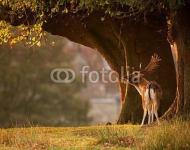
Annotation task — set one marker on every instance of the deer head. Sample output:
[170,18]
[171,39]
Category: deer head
[135,76]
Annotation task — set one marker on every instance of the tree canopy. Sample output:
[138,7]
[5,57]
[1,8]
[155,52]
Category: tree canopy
[29,15]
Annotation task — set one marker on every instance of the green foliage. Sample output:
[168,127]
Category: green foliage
[28,36]
[25,33]
[27,92]
[4,32]
[175,4]
[33,13]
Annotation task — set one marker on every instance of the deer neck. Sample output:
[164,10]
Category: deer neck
[142,85]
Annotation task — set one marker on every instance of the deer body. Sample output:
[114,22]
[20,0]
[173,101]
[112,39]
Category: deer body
[150,91]
[151,94]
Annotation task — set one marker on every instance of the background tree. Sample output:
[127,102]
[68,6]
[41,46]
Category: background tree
[124,32]
[27,94]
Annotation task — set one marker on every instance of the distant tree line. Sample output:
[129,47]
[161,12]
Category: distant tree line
[27,94]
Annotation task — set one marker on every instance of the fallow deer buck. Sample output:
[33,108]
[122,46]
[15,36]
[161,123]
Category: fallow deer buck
[150,91]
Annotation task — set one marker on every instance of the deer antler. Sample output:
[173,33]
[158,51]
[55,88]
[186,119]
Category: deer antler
[152,64]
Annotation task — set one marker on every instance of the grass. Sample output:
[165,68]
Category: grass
[170,135]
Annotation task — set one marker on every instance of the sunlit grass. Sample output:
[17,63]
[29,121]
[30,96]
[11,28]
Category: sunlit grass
[119,136]
[172,135]
[43,138]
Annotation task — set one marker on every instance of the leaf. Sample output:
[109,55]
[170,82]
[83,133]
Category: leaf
[53,10]
[118,13]
[107,2]
[33,39]
[112,14]
[102,18]
[38,43]
[66,10]
[169,22]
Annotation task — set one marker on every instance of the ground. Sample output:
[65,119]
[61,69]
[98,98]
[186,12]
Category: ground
[170,135]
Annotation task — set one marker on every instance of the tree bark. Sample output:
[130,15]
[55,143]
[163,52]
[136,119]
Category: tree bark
[142,43]
[180,39]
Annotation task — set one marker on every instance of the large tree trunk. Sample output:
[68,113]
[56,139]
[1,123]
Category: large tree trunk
[117,42]
[180,39]
[142,42]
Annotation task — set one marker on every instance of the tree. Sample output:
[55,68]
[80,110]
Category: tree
[179,37]
[27,95]
[125,33]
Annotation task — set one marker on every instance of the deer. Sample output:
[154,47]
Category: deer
[150,91]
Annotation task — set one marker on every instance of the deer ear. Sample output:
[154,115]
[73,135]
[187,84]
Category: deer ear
[140,67]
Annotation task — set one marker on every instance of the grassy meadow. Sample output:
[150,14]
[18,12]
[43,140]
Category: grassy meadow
[172,135]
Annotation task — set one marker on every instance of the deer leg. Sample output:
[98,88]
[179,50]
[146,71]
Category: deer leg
[144,115]
[152,113]
[149,115]
[156,114]
[152,117]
